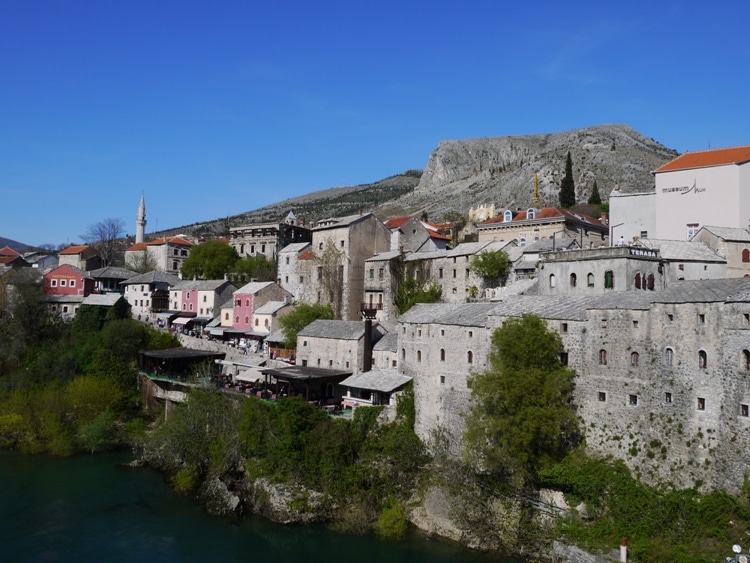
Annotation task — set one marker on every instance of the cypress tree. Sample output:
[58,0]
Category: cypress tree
[595,198]
[567,186]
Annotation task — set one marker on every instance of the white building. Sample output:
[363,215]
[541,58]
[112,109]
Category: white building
[702,188]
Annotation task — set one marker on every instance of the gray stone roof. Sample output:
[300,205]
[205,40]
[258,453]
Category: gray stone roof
[462,314]
[729,233]
[384,256]
[113,273]
[683,250]
[425,255]
[706,291]
[338,222]
[102,300]
[62,298]
[155,276]
[384,380]
[270,307]
[203,285]
[389,343]
[252,287]
[467,248]
[335,330]
[294,248]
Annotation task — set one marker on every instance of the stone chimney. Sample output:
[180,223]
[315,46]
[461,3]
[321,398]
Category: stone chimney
[605,218]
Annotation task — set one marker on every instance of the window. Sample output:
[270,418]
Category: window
[287,259]
[635,359]
[702,359]
[609,279]
[744,411]
[237,319]
[381,271]
[191,306]
[745,255]
[668,357]
[442,379]
[442,332]
[530,214]
[701,319]
[573,280]
[745,360]
[286,279]
[564,327]
[205,297]
[670,317]
[602,357]
[469,357]
[330,363]
[650,282]
[564,358]
[746,319]
[692,228]
[454,273]
[347,365]
[419,333]
[467,273]
[633,400]
[442,354]
[372,273]
[638,280]
[72,283]
[602,396]
[302,279]
[226,316]
[471,334]
[62,283]
[257,321]
[320,274]
[507,216]
[701,404]
[604,323]
[668,398]
[342,244]
[53,283]
[403,353]
[247,319]
[644,234]
[247,302]
[522,241]
[419,355]
[393,364]
[552,281]
[65,308]
[590,280]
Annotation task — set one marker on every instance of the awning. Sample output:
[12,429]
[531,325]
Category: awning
[250,375]
[181,320]
[216,331]
[202,320]
[215,322]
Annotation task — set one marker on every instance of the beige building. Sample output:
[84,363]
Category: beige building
[731,243]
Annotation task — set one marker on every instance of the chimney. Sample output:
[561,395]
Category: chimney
[605,218]
[367,360]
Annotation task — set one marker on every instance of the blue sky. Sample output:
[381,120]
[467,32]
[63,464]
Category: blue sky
[215,108]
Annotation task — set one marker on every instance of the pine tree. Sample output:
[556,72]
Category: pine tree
[595,198]
[567,186]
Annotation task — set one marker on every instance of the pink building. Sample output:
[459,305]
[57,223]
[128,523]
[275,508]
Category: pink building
[251,297]
[67,280]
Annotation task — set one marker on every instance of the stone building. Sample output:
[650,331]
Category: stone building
[148,293]
[290,275]
[340,345]
[663,378]
[411,234]
[336,269]
[731,243]
[82,257]
[267,239]
[530,225]
[165,253]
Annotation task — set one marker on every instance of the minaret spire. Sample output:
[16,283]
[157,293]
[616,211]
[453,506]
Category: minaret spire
[140,222]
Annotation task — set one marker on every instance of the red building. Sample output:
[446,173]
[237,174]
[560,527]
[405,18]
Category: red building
[67,280]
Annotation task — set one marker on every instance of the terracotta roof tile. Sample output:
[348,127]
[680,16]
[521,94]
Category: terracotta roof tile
[8,251]
[137,246]
[547,213]
[74,249]
[396,222]
[306,255]
[702,159]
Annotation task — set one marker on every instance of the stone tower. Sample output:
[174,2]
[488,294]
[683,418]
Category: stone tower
[140,222]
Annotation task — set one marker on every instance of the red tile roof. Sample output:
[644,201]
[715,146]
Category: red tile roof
[547,213]
[306,255]
[8,251]
[74,249]
[137,246]
[170,240]
[702,159]
[396,222]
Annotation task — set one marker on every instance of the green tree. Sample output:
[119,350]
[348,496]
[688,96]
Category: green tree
[302,316]
[493,266]
[523,420]
[413,291]
[567,186]
[595,198]
[210,260]
[256,267]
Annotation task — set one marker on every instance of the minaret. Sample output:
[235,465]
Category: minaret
[140,222]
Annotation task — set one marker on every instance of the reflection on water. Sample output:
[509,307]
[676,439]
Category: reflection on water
[94,509]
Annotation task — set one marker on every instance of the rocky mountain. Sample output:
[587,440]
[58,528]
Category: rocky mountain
[467,173]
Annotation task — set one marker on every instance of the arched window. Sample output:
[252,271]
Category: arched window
[442,354]
[237,319]
[668,357]
[609,279]
[552,282]
[247,302]
[470,357]
[635,359]
[590,280]
[419,355]
[573,280]
[247,320]
[702,359]
[403,352]
[745,255]
[638,280]
[257,321]
[522,241]
[507,216]
[602,357]
[530,213]
[650,282]
[745,360]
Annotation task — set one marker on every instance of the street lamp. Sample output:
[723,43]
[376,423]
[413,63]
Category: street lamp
[612,233]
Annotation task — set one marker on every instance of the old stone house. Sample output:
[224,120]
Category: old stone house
[731,243]
[267,239]
[290,275]
[662,377]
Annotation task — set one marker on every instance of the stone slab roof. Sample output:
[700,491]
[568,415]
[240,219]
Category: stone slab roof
[425,255]
[733,234]
[389,343]
[63,298]
[338,222]
[294,248]
[202,285]
[252,288]
[683,250]
[102,299]
[270,307]
[384,256]
[113,273]
[335,330]
[155,276]
[467,248]
[462,314]
[706,291]
[384,380]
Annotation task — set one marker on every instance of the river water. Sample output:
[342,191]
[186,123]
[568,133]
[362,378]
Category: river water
[92,508]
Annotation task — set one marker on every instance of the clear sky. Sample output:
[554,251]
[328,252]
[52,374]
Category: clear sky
[215,108]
